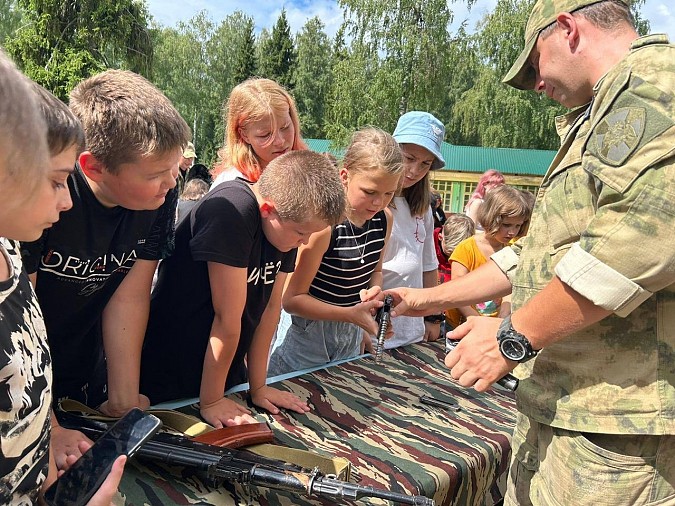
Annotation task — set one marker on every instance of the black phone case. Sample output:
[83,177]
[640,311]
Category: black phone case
[81,481]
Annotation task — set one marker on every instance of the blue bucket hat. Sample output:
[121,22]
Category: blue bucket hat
[423,129]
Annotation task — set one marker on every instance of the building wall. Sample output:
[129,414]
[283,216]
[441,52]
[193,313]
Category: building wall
[456,187]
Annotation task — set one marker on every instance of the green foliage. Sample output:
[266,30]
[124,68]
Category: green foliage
[312,77]
[245,61]
[61,43]
[489,113]
[277,57]
[183,72]
[401,57]
[10,18]
[387,58]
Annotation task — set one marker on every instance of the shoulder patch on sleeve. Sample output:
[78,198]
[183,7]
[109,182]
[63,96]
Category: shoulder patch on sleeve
[619,133]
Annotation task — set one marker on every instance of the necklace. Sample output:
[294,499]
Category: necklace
[360,249]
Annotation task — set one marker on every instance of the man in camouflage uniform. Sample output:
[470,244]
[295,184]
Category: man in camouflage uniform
[593,282]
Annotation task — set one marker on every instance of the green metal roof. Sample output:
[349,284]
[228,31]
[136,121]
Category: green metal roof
[526,162]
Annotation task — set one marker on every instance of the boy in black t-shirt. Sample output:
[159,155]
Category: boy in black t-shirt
[217,300]
[93,269]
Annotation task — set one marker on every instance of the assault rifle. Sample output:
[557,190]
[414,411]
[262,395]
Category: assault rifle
[244,467]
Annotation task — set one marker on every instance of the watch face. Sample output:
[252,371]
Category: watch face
[512,349]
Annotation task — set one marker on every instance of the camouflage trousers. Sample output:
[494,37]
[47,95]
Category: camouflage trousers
[558,467]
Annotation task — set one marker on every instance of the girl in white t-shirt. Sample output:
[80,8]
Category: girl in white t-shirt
[410,258]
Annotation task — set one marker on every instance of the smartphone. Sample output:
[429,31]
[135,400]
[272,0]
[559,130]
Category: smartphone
[79,483]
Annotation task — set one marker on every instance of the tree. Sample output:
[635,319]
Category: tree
[312,77]
[245,61]
[10,18]
[277,58]
[490,113]
[62,43]
[400,49]
[182,71]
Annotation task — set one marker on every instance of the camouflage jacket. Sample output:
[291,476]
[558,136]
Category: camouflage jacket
[603,223]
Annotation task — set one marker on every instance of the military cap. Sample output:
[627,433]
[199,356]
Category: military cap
[544,13]
[189,151]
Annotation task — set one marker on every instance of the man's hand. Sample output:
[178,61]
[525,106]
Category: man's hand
[272,399]
[409,301]
[117,411]
[225,413]
[67,446]
[476,361]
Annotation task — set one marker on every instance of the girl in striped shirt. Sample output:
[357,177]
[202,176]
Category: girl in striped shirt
[328,307]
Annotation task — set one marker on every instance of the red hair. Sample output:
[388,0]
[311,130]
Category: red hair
[251,101]
[490,176]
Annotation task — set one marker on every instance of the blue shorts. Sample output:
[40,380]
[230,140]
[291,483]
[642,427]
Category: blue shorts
[301,343]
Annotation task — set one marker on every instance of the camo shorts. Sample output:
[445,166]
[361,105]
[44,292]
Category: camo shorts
[558,467]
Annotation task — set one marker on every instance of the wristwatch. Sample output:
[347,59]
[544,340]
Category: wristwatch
[514,345]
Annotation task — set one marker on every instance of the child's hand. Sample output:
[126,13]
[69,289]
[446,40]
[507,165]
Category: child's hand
[141,402]
[66,444]
[367,344]
[104,495]
[370,294]
[362,315]
[272,399]
[432,331]
[225,413]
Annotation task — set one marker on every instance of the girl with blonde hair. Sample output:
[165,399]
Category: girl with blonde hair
[505,216]
[327,301]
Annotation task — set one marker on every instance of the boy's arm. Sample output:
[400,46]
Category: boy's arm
[228,295]
[124,322]
[296,298]
[262,395]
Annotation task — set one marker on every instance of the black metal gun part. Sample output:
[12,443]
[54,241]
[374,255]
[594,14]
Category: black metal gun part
[383,318]
[245,467]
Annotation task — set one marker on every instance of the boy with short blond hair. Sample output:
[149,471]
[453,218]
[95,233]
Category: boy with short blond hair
[233,253]
[93,269]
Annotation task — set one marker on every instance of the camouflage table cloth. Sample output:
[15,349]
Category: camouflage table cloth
[370,414]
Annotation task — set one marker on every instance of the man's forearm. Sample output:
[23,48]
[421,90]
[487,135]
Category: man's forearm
[485,283]
[555,312]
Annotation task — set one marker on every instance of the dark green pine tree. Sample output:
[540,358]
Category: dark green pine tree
[244,62]
[278,57]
